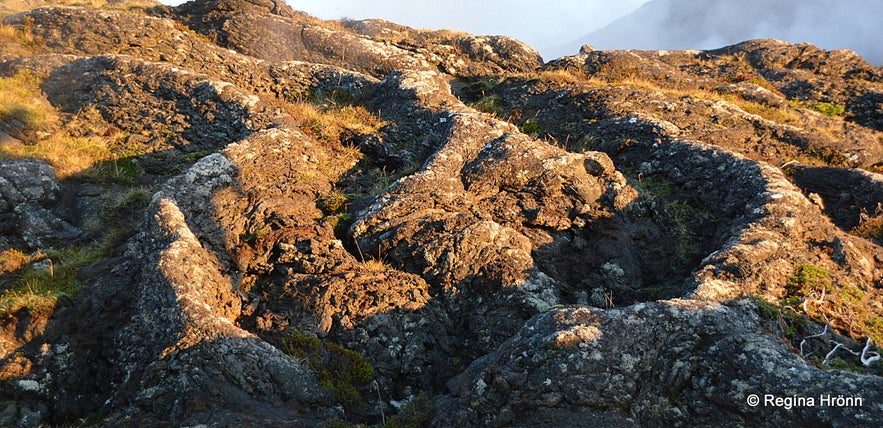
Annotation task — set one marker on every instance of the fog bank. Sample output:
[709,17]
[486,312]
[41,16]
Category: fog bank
[706,24]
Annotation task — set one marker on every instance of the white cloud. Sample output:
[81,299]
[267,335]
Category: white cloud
[541,24]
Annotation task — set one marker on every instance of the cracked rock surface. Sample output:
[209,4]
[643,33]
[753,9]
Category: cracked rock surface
[627,238]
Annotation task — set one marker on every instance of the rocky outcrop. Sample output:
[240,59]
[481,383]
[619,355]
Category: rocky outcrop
[693,86]
[671,362]
[617,237]
[28,192]
[673,24]
[273,32]
[184,342]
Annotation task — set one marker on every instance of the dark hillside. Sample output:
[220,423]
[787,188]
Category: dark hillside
[230,213]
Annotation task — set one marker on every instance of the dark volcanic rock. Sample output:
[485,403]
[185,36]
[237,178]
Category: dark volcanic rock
[272,33]
[28,192]
[625,238]
[676,363]
[27,181]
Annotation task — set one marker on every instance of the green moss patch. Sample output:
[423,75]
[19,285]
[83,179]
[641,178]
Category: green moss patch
[337,368]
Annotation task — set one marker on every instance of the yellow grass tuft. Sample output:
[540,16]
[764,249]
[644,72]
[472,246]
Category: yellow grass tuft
[377,266]
[560,76]
[68,155]
[330,124]
[21,101]
[12,260]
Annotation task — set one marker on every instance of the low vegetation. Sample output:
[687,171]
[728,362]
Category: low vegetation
[23,105]
[341,370]
[332,116]
[23,108]
[810,292]
[479,93]
[36,281]
[337,120]
[417,413]
[530,127]
[560,77]
[491,104]
[19,40]
[872,228]
[828,109]
[680,218]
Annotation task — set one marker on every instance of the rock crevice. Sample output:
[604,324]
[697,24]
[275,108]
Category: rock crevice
[297,222]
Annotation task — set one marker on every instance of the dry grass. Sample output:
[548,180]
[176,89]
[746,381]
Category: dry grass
[19,40]
[332,25]
[68,155]
[331,124]
[336,123]
[428,37]
[564,77]
[871,228]
[11,7]
[39,288]
[376,266]
[778,115]
[22,101]
[12,260]
[775,114]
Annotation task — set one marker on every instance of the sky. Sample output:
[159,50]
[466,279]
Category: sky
[541,24]
[710,24]
[545,24]
[558,27]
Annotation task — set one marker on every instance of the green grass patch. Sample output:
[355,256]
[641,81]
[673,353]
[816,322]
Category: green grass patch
[678,218]
[478,93]
[340,222]
[417,413]
[492,104]
[807,279]
[123,171]
[655,186]
[334,203]
[45,278]
[845,307]
[827,109]
[682,218]
[479,88]
[337,368]
[530,127]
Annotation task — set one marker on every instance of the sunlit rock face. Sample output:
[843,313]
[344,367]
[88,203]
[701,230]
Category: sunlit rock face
[293,222]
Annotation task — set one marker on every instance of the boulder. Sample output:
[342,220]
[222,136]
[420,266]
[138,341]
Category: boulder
[674,362]
[624,238]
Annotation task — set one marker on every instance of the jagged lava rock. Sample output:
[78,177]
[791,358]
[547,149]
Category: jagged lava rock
[593,251]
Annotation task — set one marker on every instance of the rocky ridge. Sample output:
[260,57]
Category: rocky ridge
[622,237]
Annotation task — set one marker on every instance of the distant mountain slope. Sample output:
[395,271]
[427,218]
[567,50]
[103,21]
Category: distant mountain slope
[230,213]
[703,24]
